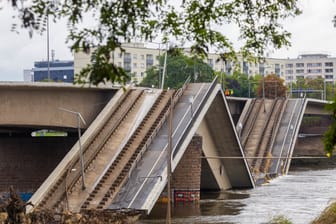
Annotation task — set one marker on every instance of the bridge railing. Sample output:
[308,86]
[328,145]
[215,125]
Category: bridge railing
[195,113]
[66,163]
[173,101]
[295,133]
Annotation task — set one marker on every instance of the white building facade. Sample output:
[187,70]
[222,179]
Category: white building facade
[138,57]
[135,60]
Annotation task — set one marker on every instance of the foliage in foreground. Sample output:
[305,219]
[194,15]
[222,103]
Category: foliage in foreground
[328,216]
[329,137]
[105,24]
[280,219]
[273,87]
[179,68]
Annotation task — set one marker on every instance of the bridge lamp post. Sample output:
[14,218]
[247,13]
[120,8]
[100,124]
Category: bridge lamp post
[263,91]
[263,85]
[52,5]
[79,120]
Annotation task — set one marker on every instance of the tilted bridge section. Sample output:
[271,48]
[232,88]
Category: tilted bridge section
[268,131]
[121,161]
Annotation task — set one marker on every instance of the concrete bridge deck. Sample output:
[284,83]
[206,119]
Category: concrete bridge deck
[202,110]
[199,108]
[125,139]
[268,130]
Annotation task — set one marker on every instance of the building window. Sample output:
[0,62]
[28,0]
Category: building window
[329,70]
[299,71]
[329,64]
[142,65]
[135,56]
[289,65]
[329,77]
[314,65]
[149,60]
[289,71]
[142,74]
[127,57]
[289,77]
[134,65]
[142,57]
[314,70]
[127,67]
[299,65]
[210,62]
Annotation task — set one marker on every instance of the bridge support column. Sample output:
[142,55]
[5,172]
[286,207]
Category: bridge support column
[186,179]
[187,175]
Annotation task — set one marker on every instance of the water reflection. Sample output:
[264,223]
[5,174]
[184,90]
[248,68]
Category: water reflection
[300,196]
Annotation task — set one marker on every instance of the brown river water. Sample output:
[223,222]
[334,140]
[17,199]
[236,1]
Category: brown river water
[300,196]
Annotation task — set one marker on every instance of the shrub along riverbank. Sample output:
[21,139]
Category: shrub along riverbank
[328,216]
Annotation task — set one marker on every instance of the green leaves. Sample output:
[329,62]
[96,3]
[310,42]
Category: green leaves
[198,23]
[179,68]
[329,137]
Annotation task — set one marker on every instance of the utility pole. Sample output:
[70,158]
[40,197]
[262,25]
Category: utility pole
[164,67]
[263,91]
[324,90]
[48,47]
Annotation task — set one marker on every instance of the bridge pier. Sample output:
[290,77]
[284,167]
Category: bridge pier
[187,175]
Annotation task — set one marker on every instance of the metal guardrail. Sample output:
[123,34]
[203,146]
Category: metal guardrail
[284,141]
[254,118]
[196,112]
[278,122]
[174,101]
[295,133]
[103,142]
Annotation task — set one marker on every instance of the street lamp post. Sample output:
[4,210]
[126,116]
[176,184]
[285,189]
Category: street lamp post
[263,91]
[48,47]
[79,120]
[324,90]
[164,67]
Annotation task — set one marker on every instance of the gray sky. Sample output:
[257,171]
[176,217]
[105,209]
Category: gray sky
[312,31]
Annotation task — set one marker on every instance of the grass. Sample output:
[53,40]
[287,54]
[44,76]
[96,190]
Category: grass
[328,216]
[280,219]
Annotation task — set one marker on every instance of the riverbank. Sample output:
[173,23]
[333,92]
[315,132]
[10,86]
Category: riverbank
[328,216]
[87,217]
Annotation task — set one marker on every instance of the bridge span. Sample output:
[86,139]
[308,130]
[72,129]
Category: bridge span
[123,163]
[269,129]
[125,150]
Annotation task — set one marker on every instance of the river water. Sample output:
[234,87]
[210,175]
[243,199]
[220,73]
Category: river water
[300,196]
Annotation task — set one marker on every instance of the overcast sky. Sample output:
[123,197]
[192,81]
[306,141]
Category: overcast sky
[312,31]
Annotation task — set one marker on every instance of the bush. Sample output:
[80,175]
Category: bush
[280,220]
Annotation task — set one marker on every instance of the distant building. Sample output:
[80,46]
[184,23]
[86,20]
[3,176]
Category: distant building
[28,75]
[60,71]
[138,57]
[310,66]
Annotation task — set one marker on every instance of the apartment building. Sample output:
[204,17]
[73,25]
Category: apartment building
[138,57]
[310,66]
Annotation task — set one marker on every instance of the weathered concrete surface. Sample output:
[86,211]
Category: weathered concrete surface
[39,104]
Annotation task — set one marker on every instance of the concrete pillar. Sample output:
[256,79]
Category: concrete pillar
[187,175]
